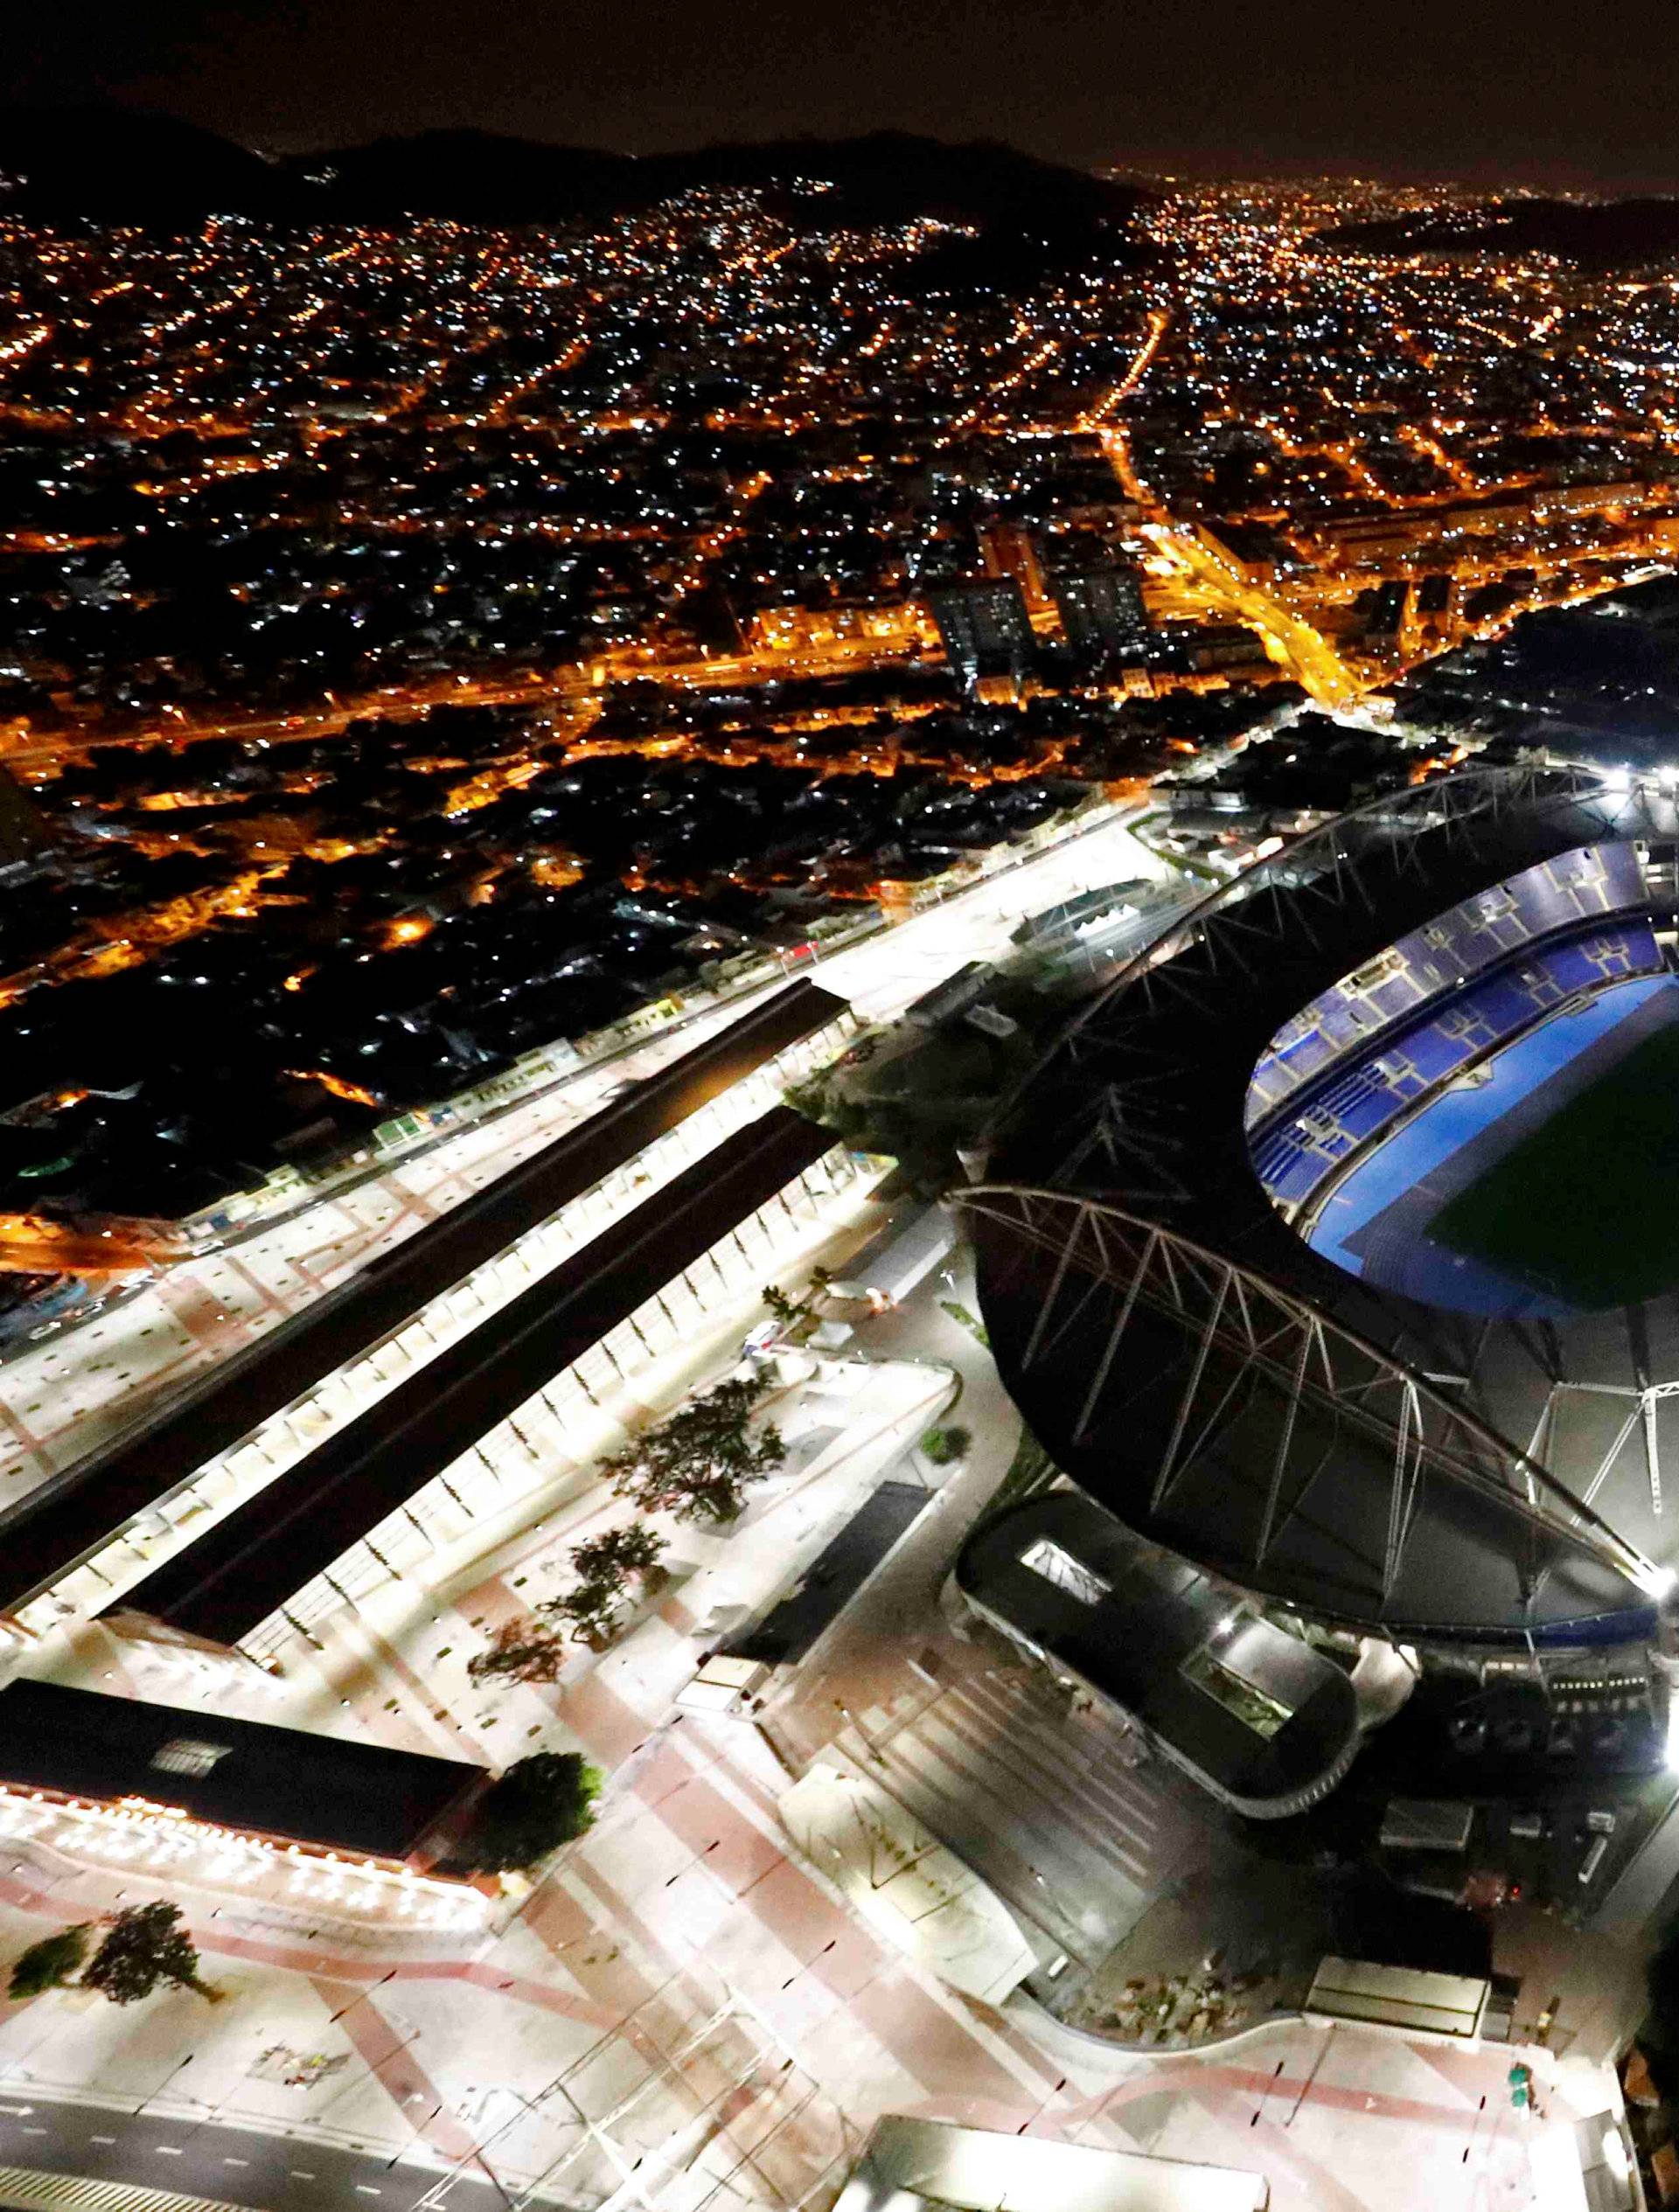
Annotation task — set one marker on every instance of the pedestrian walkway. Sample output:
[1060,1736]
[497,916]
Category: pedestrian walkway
[1046,1805]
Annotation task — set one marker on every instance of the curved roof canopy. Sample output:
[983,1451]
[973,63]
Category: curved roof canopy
[1258,1718]
[1189,1361]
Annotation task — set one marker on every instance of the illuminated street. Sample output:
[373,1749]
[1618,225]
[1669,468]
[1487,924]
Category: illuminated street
[838,911]
[203,1310]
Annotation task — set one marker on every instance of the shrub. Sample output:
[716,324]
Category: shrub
[539,1804]
[942,1445]
[49,1964]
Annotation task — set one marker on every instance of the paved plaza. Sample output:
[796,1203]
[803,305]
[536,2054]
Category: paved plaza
[683,1910]
[684,2014]
[683,1983]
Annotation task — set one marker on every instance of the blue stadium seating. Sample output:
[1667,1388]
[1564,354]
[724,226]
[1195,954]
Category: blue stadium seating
[1480,933]
[1355,1095]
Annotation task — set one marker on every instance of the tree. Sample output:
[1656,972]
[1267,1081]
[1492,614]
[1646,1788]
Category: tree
[49,1964]
[797,1317]
[539,1804]
[523,1650]
[616,1554]
[143,1946]
[698,1463]
[604,1565]
[589,1610]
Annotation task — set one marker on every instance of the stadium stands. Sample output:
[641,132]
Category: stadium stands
[1480,933]
[1360,1098]
[1436,1002]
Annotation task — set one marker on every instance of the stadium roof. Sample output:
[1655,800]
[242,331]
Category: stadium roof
[1189,1361]
[1258,1718]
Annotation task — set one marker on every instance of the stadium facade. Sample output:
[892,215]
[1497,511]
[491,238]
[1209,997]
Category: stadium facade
[1207,1258]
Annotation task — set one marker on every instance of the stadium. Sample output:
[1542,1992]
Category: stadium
[1334,1245]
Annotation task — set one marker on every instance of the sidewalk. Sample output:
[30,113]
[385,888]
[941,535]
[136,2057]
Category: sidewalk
[862,1662]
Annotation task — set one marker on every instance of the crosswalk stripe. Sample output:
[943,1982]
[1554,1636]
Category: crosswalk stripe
[1129,1795]
[1108,1827]
[950,1812]
[1135,1808]
[1062,1835]
[26,2186]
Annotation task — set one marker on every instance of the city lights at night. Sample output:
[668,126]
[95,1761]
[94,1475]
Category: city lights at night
[839,1165]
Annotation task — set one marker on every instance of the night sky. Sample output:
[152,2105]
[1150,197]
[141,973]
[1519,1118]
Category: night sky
[1481,89]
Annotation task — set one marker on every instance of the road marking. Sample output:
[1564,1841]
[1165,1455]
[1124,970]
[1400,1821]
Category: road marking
[362,2188]
[31,2131]
[235,2161]
[297,2174]
[102,2139]
[18,2112]
[169,2150]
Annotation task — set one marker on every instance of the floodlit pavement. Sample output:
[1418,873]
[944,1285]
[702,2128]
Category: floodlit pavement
[1056,1808]
[685,1901]
[1054,1814]
[884,976]
[682,1985]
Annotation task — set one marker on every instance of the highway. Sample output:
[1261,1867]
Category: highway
[76,1512]
[228,2165]
[568,686]
[1306,652]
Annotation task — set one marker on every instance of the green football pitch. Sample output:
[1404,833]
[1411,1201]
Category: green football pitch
[1588,1207]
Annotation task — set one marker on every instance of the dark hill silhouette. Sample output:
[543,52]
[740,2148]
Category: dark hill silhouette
[118,164]
[1620,233]
[473,175]
[888,176]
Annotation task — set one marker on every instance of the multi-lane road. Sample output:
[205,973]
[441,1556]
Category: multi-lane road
[231,2165]
[571,687]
